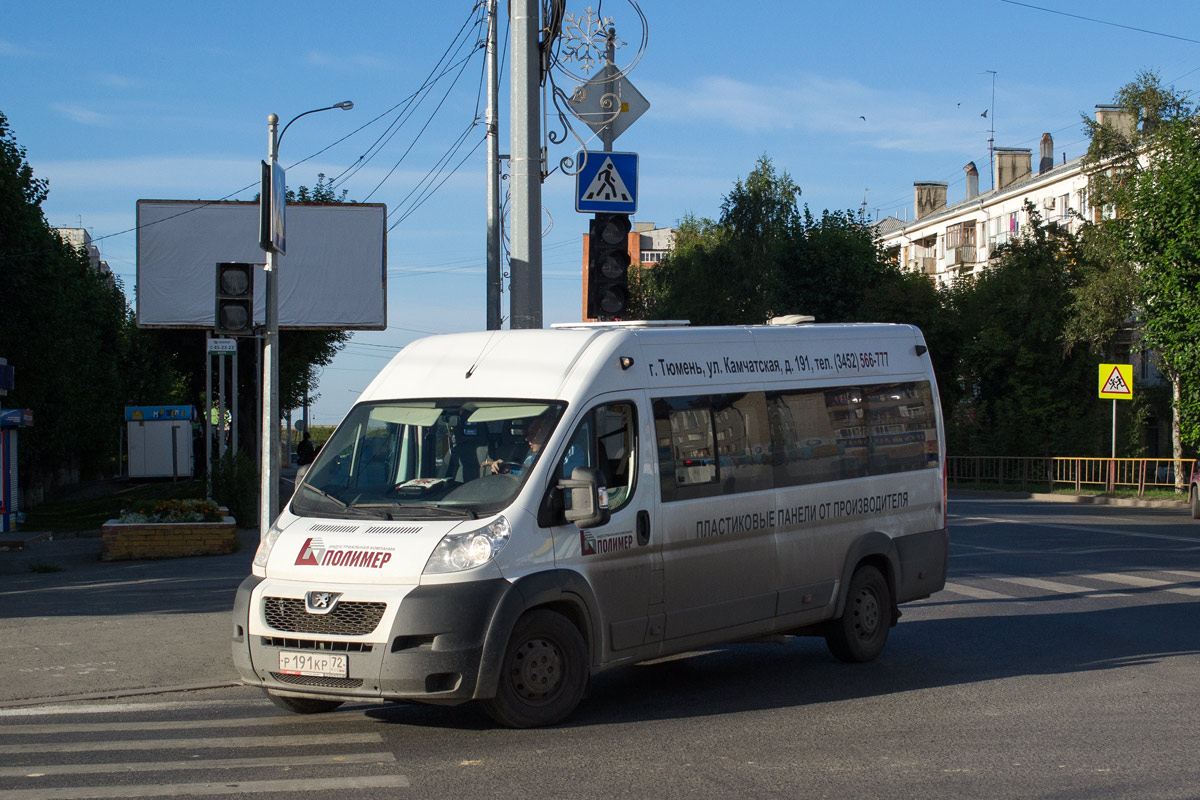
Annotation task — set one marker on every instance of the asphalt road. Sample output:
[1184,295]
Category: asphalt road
[1062,661]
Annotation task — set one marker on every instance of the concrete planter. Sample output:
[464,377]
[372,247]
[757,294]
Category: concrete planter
[122,541]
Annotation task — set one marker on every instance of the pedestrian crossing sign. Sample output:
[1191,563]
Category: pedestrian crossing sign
[1116,381]
[606,182]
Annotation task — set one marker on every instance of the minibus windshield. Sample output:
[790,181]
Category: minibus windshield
[417,459]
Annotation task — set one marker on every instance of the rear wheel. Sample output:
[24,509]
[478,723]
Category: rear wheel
[303,705]
[862,630]
[544,672]
[1195,490]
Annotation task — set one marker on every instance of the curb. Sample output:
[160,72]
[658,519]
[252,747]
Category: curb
[1085,499]
[116,694]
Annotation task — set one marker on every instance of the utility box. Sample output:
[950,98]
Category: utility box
[160,441]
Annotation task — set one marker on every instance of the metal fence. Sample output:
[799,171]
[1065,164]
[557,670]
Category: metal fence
[1078,474]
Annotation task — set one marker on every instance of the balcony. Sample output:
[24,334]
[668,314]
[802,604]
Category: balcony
[926,265]
[963,254]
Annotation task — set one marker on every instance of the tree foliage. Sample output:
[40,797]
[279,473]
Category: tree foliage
[64,328]
[766,256]
[1021,391]
[1150,172]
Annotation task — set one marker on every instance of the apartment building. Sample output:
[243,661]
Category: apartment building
[79,237]
[949,241]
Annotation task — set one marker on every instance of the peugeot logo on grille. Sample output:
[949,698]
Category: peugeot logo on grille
[321,602]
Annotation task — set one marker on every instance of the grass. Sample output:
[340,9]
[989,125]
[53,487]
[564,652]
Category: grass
[89,513]
[44,566]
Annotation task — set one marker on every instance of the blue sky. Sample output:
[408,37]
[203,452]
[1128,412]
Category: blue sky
[119,101]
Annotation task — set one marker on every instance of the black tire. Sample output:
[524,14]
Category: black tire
[544,674]
[862,630]
[1195,491]
[303,705]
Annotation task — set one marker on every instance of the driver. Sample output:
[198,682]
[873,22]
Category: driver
[536,433]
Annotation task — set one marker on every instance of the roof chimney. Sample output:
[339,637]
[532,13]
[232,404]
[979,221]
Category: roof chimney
[1047,161]
[1121,119]
[1013,164]
[930,197]
[972,180]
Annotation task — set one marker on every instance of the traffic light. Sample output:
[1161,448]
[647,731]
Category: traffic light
[608,266]
[235,299]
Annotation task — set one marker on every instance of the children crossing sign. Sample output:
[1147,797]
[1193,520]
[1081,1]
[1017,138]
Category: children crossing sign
[1116,381]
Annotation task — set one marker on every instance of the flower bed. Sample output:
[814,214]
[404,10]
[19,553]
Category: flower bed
[170,529]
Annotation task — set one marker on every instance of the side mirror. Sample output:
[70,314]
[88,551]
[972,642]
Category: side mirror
[589,498]
[301,471]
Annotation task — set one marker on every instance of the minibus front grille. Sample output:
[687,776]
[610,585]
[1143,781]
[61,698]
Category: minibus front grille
[346,619]
[314,644]
[312,680]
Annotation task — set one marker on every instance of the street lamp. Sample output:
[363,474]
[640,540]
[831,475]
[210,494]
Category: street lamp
[269,485]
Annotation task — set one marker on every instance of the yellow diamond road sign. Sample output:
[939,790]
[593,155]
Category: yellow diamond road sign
[1116,381]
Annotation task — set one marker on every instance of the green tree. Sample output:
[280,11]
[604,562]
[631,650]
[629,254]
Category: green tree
[63,329]
[767,256]
[1021,391]
[1149,171]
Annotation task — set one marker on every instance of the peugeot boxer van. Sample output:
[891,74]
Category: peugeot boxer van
[504,514]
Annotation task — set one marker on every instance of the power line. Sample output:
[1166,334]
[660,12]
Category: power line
[1102,21]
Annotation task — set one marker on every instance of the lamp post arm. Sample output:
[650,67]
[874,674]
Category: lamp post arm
[345,104]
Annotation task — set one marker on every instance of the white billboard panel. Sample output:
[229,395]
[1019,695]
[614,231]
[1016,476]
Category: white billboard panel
[333,276]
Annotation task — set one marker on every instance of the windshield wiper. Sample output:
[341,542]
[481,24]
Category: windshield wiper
[429,508]
[342,505]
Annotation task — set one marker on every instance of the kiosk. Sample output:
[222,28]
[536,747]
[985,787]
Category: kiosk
[160,441]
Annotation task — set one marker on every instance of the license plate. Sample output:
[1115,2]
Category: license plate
[315,664]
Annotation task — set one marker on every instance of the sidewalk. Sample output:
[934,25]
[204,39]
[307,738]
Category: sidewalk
[107,628]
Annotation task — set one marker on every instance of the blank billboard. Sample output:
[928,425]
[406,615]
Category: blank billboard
[333,276]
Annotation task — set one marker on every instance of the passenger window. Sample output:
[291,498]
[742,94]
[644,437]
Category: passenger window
[605,440]
[686,446]
[903,427]
[743,438]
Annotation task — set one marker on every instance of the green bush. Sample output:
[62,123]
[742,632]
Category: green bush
[235,485]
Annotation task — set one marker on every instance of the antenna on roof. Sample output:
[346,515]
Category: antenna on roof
[992,131]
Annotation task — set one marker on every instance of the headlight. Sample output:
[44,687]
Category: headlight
[459,551]
[264,547]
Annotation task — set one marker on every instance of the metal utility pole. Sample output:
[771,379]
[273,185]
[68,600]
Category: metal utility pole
[525,304]
[610,88]
[494,286]
[268,495]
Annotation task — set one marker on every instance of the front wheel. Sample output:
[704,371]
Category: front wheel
[303,705]
[544,673]
[862,630]
[1195,490]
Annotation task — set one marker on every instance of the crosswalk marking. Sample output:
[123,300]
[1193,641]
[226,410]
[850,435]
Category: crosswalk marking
[976,592]
[187,789]
[323,740]
[1183,573]
[1144,583]
[183,725]
[1055,586]
[267,762]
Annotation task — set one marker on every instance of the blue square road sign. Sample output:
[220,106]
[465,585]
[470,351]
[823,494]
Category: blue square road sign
[606,182]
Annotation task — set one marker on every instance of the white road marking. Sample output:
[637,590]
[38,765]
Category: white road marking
[187,789]
[266,762]
[1144,583]
[976,592]
[191,744]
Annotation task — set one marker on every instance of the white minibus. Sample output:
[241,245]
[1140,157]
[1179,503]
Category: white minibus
[504,514]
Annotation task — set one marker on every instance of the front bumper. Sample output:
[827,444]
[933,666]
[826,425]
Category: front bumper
[430,651]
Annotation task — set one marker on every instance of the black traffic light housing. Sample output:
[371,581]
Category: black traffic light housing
[234,314]
[608,266]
